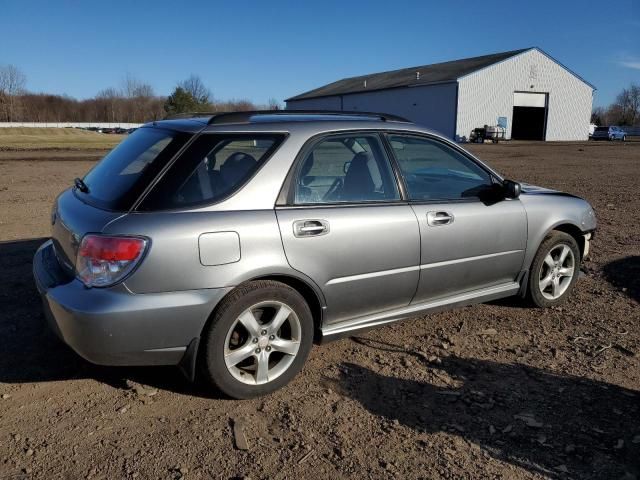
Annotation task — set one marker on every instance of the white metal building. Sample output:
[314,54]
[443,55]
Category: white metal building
[535,96]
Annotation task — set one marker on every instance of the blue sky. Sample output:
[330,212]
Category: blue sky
[263,49]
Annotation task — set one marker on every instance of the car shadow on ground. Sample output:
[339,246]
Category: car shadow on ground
[625,275]
[30,352]
[559,426]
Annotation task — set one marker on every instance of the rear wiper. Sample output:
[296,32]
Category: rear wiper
[80,185]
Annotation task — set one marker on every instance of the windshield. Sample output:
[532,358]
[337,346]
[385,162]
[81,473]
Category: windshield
[602,129]
[117,181]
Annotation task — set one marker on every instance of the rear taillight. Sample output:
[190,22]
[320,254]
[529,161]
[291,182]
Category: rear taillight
[105,260]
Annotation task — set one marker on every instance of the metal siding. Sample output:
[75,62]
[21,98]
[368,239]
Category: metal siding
[433,106]
[488,94]
[322,103]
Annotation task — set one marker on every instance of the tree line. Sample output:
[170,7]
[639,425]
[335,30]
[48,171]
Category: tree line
[133,102]
[136,102]
[624,111]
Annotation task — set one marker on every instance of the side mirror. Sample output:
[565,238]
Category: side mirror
[511,189]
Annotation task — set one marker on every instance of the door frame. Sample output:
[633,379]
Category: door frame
[495,178]
[546,111]
[285,197]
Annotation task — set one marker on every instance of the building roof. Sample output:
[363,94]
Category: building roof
[406,77]
[413,76]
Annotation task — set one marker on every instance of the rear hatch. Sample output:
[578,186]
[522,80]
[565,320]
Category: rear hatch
[111,188]
[71,220]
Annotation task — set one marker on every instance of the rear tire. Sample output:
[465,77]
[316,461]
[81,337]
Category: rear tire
[554,270]
[257,340]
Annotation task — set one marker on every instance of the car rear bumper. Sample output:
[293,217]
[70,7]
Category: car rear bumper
[112,326]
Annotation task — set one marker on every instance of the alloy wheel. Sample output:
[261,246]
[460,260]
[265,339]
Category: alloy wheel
[262,343]
[556,272]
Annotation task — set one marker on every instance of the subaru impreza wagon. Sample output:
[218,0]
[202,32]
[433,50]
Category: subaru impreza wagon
[226,244]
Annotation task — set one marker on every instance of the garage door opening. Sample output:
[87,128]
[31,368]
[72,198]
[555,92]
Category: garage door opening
[529,116]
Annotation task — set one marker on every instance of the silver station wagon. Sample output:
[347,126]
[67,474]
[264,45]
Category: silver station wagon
[225,244]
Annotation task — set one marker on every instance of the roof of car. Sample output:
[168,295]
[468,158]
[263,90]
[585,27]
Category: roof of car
[280,120]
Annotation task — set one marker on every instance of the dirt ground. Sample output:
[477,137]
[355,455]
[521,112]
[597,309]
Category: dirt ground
[490,391]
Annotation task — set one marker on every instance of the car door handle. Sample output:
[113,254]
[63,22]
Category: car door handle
[436,219]
[310,228]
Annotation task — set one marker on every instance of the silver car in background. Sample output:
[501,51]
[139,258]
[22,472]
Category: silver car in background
[226,244]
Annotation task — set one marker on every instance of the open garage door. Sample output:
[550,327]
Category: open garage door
[529,116]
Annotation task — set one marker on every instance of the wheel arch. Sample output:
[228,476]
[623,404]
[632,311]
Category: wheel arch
[570,229]
[311,294]
[565,226]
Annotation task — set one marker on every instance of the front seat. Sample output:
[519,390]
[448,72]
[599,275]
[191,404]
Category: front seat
[358,182]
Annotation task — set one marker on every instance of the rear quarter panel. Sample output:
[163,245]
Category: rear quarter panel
[174,263]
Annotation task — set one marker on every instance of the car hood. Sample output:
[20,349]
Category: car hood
[528,189]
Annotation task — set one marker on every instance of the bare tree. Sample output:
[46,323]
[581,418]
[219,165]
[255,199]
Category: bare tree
[634,103]
[626,109]
[598,116]
[12,83]
[134,102]
[274,104]
[140,94]
[107,102]
[196,87]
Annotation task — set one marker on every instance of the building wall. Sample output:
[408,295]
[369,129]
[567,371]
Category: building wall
[323,103]
[433,106]
[487,94]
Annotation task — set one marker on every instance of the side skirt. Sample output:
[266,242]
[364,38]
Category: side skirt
[349,327]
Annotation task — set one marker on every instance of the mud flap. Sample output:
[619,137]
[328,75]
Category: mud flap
[188,363]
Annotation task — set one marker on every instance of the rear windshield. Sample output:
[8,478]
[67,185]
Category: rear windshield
[117,181]
[212,168]
[602,129]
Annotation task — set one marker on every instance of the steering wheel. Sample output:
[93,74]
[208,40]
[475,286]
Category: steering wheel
[335,186]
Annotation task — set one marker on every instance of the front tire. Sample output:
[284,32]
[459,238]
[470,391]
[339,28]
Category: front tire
[257,340]
[554,270]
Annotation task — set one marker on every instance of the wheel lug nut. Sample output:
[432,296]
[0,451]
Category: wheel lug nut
[263,332]
[255,340]
[268,349]
[271,337]
[257,350]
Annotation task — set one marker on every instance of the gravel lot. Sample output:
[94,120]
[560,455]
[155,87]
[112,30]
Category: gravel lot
[491,391]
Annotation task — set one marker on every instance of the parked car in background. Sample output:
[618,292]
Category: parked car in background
[226,244]
[592,128]
[609,133]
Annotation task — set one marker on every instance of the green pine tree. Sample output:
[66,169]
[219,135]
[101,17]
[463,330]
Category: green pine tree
[181,101]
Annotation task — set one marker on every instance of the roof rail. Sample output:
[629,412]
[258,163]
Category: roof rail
[244,117]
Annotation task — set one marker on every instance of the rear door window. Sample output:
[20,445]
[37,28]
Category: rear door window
[345,169]
[213,168]
[117,181]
